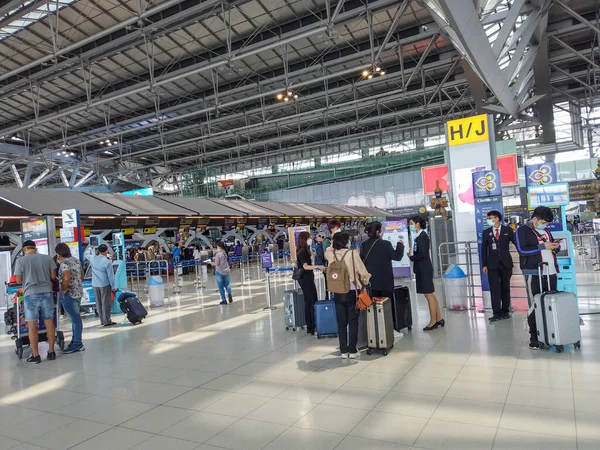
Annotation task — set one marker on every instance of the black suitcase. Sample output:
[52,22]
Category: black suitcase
[401,309]
[132,307]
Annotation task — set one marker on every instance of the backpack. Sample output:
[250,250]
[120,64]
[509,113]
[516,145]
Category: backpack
[338,278]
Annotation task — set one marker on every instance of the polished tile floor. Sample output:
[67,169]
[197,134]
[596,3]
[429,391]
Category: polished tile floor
[196,375]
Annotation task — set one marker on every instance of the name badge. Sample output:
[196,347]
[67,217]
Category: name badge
[494,246]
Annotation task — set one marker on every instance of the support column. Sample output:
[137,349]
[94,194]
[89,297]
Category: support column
[470,146]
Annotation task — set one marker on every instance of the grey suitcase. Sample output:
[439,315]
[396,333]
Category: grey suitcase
[380,326]
[363,334]
[556,316]
[293,309]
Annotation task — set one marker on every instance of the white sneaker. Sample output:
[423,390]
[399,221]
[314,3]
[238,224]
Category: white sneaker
[354,355]
[345,355]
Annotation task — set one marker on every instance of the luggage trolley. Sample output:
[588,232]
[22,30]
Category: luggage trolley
[20,331]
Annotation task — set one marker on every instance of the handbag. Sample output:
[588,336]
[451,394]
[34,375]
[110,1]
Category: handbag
[363,299]
[298,273]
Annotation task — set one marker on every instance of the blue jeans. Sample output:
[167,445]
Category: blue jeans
[71,306]
[33,303]
[223,283]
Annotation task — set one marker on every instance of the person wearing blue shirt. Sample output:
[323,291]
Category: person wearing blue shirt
[176,252]
[103,282]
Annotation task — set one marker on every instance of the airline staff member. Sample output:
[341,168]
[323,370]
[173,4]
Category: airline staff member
[497,263]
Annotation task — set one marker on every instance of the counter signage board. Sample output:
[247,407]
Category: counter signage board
[540,174]
[267,260]
[293,237]
[468,130]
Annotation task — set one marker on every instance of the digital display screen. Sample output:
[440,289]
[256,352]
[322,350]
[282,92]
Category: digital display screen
[36,230]
[549,195]
[564,248]
[94,242]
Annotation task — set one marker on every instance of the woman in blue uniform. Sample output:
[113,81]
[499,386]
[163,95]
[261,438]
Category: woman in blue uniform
[423,270]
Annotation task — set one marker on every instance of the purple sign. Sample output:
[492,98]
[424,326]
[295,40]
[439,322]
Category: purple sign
[267,262]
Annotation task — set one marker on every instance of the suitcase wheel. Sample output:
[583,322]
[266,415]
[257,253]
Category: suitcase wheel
[287,328]
[294,329]
[384,352]
[559,349]
[577,344]
[369,352]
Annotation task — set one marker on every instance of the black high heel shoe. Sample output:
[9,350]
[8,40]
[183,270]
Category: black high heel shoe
[441,323]
[433,327]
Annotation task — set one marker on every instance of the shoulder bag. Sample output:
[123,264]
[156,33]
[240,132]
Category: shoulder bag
[363,299]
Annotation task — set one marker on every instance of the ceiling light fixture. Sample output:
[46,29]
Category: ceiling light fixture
[374,70]
[288,95]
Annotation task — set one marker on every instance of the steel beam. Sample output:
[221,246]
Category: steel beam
[217,62]
[544,106]
[392,29]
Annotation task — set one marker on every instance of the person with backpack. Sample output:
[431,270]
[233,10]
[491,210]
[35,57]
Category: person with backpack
[378,255]
[346,275]
[307,280]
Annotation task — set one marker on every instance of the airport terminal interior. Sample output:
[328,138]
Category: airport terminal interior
[300,224]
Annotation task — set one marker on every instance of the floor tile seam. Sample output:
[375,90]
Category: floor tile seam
[64,426]
[252,420]
[503,408]
[543,434]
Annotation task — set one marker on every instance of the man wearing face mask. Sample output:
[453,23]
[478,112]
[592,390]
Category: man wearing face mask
[535,245]
[497,263]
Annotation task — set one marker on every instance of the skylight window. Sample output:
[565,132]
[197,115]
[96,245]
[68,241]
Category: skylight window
[30,18]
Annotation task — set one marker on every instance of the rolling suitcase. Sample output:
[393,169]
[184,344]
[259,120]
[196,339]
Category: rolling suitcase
[401,310]
[380,325]
[556,316]
[293,309]
[326,318]
[132,307]
[363,335]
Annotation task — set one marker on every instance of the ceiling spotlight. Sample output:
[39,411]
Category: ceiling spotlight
[115,143]
[289,93]
[382,73]
[377,69]
[296,96]
[365,73]
[370,76]
[58,154]
[279,96]
[286,99]
[109,144]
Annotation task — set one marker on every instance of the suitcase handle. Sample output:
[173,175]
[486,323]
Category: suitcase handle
[540,265]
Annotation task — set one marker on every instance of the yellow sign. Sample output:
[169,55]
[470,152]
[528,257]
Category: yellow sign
[468,130]
[151,230]
[87,232]
[127,231]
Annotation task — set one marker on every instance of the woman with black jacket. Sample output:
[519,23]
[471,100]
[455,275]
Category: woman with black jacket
[423,270]
[378,254]
[307,281]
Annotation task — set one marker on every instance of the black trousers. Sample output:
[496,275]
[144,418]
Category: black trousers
[307,284]
[500,289]
[532,284]
[347,316]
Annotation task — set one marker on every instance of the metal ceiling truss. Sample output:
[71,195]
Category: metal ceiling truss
[171,107]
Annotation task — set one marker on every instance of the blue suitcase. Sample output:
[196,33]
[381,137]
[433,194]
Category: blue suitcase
[326,318]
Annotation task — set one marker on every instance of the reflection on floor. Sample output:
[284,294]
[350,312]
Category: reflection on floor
[199,375]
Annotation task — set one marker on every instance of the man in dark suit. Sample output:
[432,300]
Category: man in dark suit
[497,263]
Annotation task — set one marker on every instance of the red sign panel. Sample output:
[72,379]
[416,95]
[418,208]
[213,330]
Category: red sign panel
[507,164]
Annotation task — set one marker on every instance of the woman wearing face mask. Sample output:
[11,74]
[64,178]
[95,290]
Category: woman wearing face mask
[307,281]
[423,270]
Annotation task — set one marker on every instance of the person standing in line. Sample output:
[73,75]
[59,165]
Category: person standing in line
[497,263]
[334,226]
[307,281]
[35,273]
[423,270]
[345,304]
[103,282]
[176,251]
[70,275]
[536,245]
[378,255]
[222,273]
